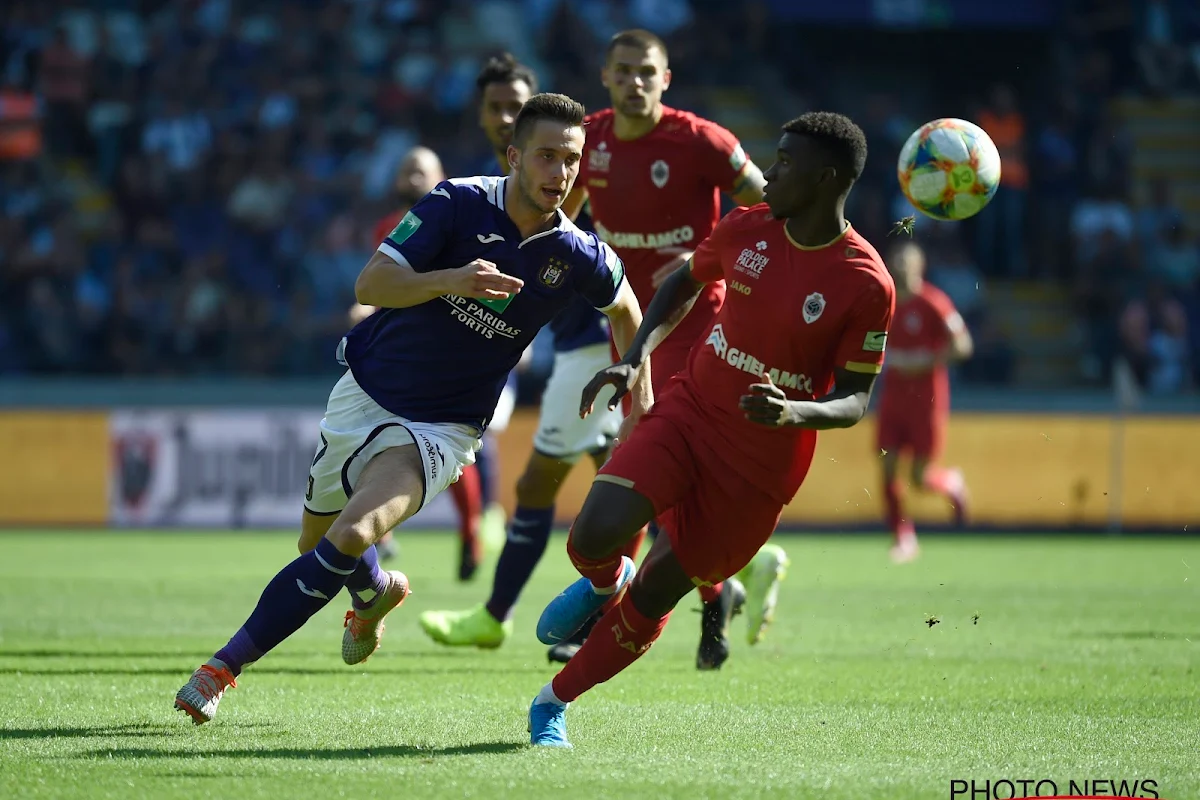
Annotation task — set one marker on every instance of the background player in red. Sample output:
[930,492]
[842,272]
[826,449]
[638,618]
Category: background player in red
[654,177]
[718,456]
[914,403]
[419,172]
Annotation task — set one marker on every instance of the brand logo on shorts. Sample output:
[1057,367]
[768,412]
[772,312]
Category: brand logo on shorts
[814,305]
[554,273]
[748,363]
[434,457]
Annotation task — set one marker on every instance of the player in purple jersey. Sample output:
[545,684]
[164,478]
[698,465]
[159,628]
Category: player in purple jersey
[463,283]
[581,345]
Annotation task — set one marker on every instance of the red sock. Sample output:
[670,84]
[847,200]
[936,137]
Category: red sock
[893,504]
[619,639]
[710,593]
[635,544]
[602,572]
[469,502]
[945,482]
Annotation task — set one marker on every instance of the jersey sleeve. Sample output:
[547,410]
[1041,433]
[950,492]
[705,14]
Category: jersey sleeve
[600,284]
[865,335]
[948,314]
[424,231]
[722,159]
[706,263]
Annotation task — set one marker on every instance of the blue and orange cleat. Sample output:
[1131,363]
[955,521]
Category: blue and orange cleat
[570,610]
[548,725]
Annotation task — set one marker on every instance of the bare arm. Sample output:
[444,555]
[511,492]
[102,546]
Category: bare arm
[387,283]
[670,304]
[748,190]
[842,408]
[574,202]
[625,319]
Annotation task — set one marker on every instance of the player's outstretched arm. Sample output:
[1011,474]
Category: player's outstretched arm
[387,283]
[766,404]
[625,320]
[674,299]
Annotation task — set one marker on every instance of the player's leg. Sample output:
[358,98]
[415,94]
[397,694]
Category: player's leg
[388,491]
[929,476]
[693,551]
[761,578]
[468,500]
[494,520]
[891,441]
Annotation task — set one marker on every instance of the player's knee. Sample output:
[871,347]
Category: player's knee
[656,590]
[918,474]
[352,537]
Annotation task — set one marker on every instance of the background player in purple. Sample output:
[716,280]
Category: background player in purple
[463,283]
[581,349]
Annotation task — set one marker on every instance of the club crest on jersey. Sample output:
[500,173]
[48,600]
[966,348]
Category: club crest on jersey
[554,273]
[659,173]
[814,305]
[599,158]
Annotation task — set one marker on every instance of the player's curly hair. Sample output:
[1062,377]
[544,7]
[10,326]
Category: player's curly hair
[555,107]
[505,68]
[844,140]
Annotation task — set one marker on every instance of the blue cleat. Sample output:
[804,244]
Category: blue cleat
[566,613]
[548,725]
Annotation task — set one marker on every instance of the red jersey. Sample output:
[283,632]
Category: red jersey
[795,312]
[660,191]
[925,323]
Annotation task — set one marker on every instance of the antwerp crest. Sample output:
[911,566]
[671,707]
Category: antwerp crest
[659,173]
[814,305]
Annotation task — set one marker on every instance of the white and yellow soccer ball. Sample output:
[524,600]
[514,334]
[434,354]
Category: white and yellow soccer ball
[949,169]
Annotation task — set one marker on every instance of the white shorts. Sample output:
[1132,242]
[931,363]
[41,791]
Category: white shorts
[504,408]
[356,429]
[561,434]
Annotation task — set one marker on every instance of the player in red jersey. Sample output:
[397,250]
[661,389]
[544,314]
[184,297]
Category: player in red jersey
[717,457]
[654,176]
[419,172]
[914,403]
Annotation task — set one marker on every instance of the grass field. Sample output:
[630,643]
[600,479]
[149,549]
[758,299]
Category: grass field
[1083,664]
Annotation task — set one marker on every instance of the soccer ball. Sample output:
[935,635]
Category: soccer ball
[949,169]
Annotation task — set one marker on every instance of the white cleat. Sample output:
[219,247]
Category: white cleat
[762,578]
[906,548]
[201,695]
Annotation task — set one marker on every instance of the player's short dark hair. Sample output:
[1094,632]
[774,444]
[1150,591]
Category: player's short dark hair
[546,106]
[636,37]
[844,141]
[505,68]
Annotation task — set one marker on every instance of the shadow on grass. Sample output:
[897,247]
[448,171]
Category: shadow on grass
[311,754]
[136,729]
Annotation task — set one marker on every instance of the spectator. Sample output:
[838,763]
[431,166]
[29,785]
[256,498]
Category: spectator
[1154,340]
[1002,229]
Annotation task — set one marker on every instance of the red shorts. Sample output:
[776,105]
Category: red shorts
[715,520]
[922,435]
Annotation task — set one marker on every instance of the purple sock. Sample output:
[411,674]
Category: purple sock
[368,580]
[528,535]
[301,589]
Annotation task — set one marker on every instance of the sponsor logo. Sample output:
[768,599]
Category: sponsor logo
[814,306]
[599,159]
[440,192]
[554,273]
[405,228]
[646,241]
[751,263]
[482,316]
[762,245]
[599,183]
[660,173]
[491,237]
[433,457]
[739,287]
[875,341]
[739,359]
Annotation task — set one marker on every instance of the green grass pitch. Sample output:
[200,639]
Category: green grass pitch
[1054,658]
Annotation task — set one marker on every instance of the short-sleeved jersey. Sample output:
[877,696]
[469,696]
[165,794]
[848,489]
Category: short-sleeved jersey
[792,312]
[661,190]
[446,360]
[925,323]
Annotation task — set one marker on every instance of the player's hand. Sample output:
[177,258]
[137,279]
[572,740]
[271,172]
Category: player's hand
[767,405]
[621,376]
[680,256]
[482,280]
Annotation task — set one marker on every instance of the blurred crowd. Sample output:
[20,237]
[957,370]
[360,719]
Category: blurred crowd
[191,186]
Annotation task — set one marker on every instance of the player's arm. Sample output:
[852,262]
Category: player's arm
[726,164]
[672,301]
[842,408]
[625,321]
[748,186]
[401,273]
